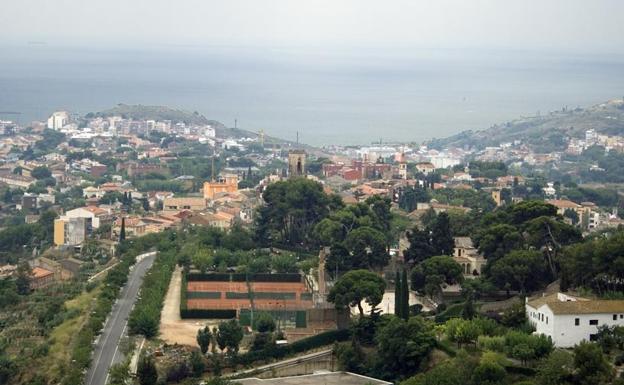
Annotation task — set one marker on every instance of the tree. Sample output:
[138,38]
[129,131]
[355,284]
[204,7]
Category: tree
[146,371]
[368,247]
[357,286]
[339,260]
[405,296]
[489,373]
[572,215]
[41,172]
[119,374]
[420,247]
[556,369]
[497,240]
[292,208]
[265,323]
[22,280]
[398,308]
[203,339]
[591,365]
[197,363]
[450,372]
[230,336]
[521,270]
[441,237]
[202,260]
[284,263]
[122,232]
[462,331]
[468,310]
[429,276]
[403,345]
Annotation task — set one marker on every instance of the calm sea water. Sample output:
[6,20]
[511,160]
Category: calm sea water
[329,96]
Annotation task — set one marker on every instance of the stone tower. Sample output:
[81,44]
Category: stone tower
[296,163]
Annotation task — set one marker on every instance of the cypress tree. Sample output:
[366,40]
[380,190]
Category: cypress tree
[397,295]
[405,296]
[122,232]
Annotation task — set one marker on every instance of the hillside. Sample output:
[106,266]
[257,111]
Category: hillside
[141,112]
[546,130]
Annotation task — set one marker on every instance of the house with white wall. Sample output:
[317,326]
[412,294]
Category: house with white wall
[568,320]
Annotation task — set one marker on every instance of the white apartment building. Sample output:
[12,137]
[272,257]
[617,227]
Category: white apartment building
[568,320]
[58,120]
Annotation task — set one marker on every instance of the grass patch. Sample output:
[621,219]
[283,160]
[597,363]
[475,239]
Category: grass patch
[62,337]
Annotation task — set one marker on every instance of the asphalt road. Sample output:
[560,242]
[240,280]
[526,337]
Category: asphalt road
[106,353]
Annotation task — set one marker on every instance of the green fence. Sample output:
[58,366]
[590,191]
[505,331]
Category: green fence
[203,295]
[261,295]
[240,277]
[283,318]
[207,313]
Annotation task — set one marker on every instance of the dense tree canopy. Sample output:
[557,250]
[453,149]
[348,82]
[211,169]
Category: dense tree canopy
[292,208]
[357,286]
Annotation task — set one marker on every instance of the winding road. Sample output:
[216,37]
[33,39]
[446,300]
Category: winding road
[106,353]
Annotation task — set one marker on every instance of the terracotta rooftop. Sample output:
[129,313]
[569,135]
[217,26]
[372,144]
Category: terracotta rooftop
[39,272]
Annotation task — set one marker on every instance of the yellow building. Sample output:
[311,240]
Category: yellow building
[226,184]
[59,232]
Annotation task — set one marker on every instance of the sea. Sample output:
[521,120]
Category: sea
[326,95]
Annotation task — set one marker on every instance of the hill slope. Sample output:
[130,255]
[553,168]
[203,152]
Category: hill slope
[605,118]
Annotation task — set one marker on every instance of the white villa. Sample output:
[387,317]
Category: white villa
[568,320]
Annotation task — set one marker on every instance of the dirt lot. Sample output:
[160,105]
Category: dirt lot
[174,330]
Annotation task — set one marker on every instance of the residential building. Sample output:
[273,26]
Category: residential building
[425,167]
[134,227]
[468,257]
[568,320]
[15,180]
[41,278]
[226,183]
[94,215]
[184,203]
[71,231]
[58,120]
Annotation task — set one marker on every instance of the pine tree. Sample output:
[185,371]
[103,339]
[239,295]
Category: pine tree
[405,295]
[146,371]
[122,232]
[441,236]
[397,295]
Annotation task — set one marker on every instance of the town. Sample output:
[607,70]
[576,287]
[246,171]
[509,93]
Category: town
[240,257]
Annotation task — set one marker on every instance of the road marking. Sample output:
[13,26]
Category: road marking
[127,289]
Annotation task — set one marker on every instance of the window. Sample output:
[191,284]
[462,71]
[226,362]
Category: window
[546,320]
[577,321]
[593,322]
[615,317]
[621,316]
[593,337]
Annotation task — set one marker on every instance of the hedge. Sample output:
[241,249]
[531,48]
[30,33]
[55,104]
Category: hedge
[303,345]
[261,295]
[207,313]
[145,316]
[203,295]
[241,277]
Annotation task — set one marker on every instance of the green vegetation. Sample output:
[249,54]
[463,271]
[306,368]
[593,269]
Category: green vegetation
[357,286]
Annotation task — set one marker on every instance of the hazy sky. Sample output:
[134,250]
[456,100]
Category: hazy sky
[567,25]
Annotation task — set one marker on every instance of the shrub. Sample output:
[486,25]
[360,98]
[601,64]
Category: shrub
[495,343]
